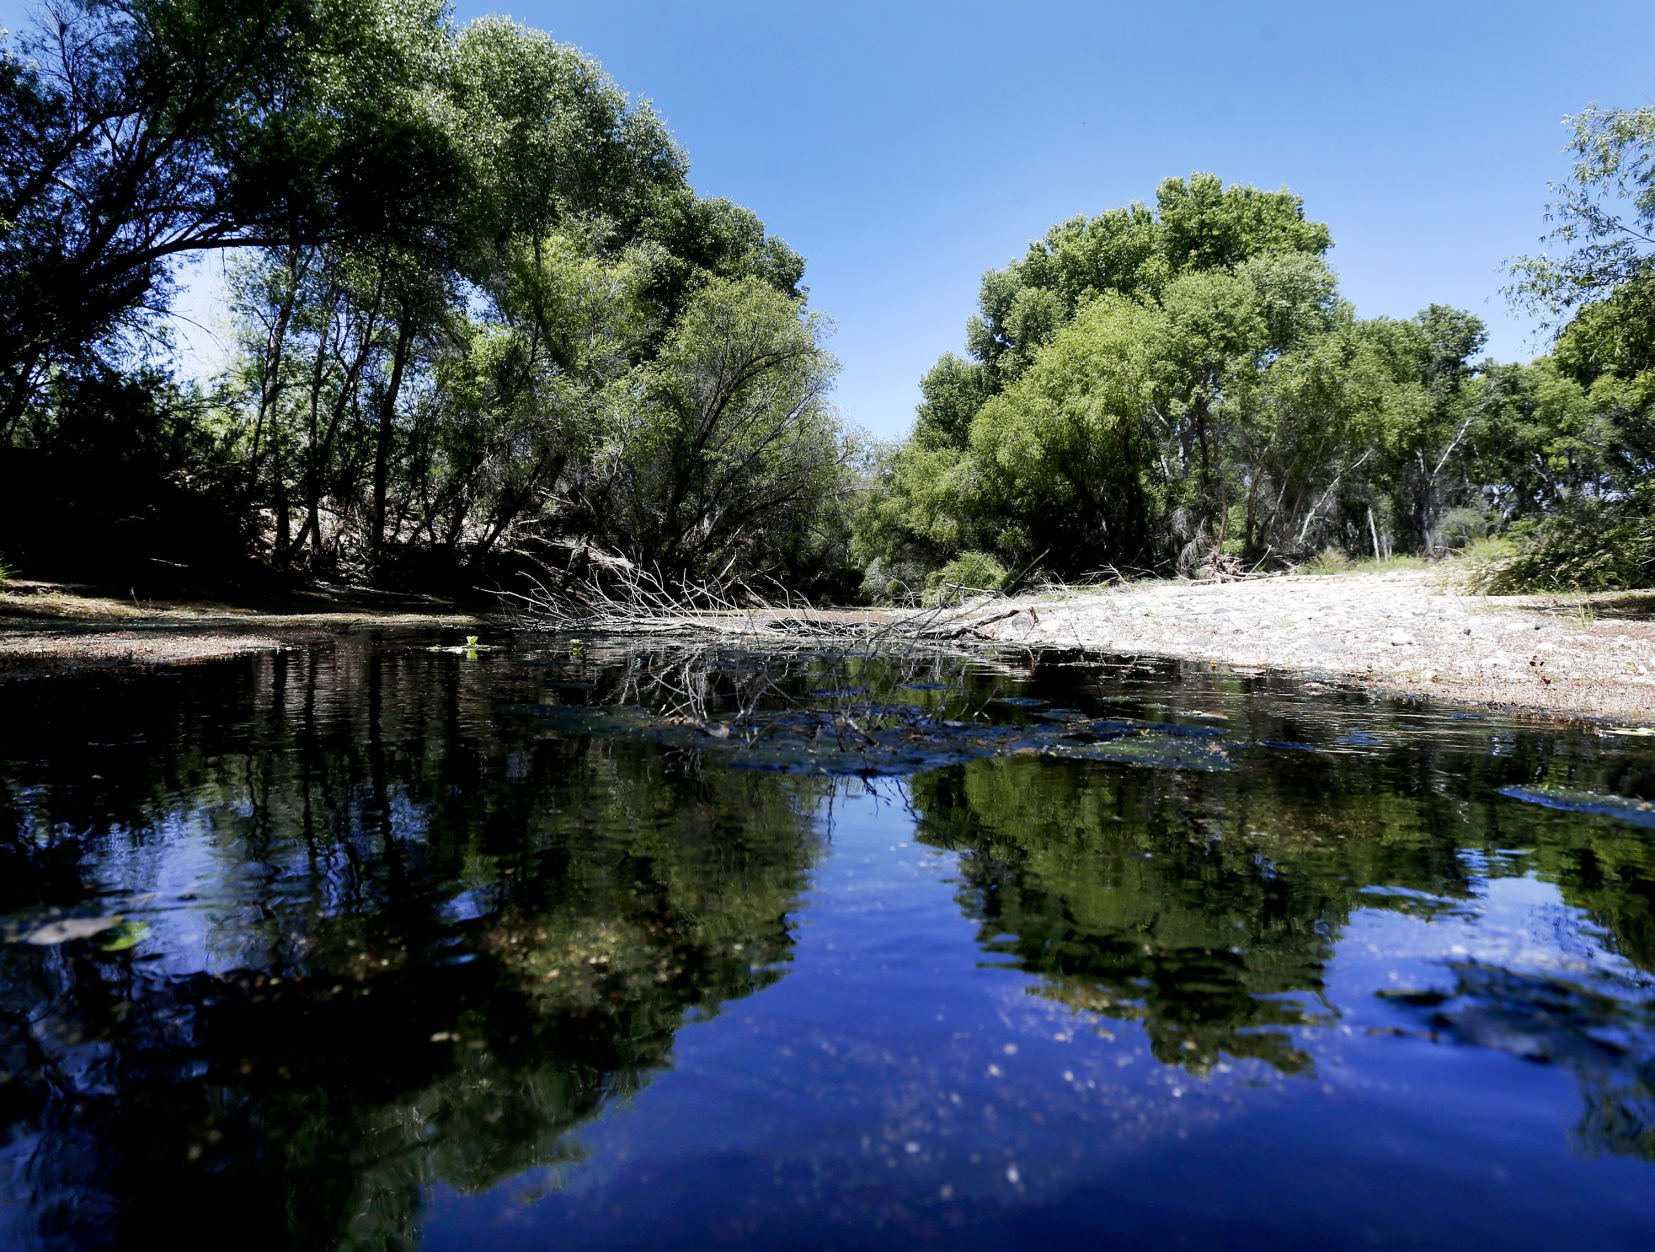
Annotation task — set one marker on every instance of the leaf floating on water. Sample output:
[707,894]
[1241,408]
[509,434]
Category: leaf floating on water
[1635,812]
[126,936]
[67,929]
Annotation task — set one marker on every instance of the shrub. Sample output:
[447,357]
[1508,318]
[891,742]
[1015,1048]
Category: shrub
[969,574]
[1595,545]
[1327,561]
[892,581]
[1464,526]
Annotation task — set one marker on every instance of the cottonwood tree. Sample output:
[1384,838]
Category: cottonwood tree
[139,131]
[727,443]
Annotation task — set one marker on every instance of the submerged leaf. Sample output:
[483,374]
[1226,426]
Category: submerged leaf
[126,936]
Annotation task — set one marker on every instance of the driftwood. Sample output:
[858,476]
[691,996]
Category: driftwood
[623,598]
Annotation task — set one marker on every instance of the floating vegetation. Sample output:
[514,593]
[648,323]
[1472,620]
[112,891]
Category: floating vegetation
[1160,751]
[880,739]
[1621,808]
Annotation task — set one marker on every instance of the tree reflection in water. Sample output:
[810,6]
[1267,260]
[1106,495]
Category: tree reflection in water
[1208,906]
[395,945]
[412,919]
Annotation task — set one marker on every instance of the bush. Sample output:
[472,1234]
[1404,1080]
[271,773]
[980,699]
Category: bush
[969,574]
[1595,545]
[1464,526]
[1328,561]
[892,582]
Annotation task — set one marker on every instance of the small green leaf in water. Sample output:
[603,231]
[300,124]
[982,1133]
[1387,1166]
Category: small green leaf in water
[125,937]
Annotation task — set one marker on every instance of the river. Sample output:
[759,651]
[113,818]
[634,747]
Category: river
[385,941]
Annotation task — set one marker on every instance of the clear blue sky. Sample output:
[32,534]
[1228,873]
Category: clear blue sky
[905,147]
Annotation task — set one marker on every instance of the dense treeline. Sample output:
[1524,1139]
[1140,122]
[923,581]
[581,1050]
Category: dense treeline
[482,323]
[477,307]
[1181,388]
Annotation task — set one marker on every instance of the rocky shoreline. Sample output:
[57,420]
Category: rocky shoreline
[1407,633]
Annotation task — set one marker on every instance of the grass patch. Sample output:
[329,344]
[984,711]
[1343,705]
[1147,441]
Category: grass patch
[1332,561]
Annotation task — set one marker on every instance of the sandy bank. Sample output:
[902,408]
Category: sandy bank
[1404,632]
[48,629]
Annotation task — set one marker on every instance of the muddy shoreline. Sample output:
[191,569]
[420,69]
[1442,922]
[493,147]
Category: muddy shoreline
[48,629]
[1408,633]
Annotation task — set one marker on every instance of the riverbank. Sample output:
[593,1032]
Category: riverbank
[54,628]
[1408,633]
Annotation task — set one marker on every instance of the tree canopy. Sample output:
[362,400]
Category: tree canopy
[477,306]
[1181,387]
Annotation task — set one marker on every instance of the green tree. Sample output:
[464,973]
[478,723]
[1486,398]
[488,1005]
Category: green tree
[141,130]
[1597,288]
[725,443]
[1114,369]
[1603,216]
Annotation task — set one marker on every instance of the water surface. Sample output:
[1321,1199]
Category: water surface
[584,944]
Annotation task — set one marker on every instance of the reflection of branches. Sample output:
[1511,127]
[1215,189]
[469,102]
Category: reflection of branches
[840,690]
[1603,1039]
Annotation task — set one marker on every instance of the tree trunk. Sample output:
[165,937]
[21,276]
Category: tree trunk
[382,444]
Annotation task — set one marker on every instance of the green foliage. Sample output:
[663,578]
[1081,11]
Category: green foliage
[1148,388]
[1591,545]
[1464,526]
[479,310]
[1592,412]
[724,445]
[1328,561]
[140,130]
[1603,217]
[967,575]
[1153,389]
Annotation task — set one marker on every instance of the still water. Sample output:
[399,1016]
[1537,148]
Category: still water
[585,944]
